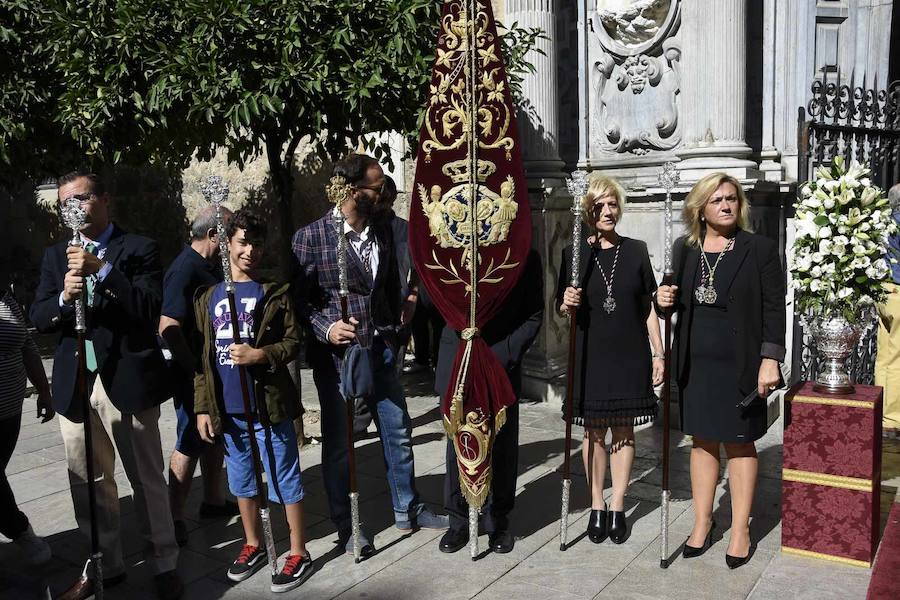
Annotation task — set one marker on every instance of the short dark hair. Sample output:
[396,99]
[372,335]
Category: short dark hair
[390,188]
[354,167]
[97,185]
[250,222]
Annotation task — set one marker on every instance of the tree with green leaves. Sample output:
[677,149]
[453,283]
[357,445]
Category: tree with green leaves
[139,82]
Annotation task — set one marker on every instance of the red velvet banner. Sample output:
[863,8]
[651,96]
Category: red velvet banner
[469,143]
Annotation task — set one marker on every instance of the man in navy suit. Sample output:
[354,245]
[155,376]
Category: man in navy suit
[121,278]
[374,306]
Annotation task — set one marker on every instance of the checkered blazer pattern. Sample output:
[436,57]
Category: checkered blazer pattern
[373,303]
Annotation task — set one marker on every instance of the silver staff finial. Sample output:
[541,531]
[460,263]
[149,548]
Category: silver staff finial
[669,177]
[214,189]
[578,184]
[72,214]
[74,217]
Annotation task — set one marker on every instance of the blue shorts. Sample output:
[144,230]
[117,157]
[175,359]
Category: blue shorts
[279,454]
[188,441]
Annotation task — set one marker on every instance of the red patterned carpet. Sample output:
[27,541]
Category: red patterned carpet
[885,583]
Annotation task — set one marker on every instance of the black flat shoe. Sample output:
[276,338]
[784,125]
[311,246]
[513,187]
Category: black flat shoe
[618,526]
[597,526]
[453,541]
[502,542]
[693,551]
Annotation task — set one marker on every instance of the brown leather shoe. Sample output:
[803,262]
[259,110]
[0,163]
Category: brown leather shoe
[84,587]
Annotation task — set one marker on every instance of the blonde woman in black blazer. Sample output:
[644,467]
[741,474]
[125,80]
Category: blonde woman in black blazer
[729,293]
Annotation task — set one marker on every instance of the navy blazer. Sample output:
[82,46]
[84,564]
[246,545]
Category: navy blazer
[756,305]
[121,322]
[509,334]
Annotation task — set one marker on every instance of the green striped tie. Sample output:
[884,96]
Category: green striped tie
[89,356]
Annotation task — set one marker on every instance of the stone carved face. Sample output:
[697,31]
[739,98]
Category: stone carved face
[632,22]
[638,70]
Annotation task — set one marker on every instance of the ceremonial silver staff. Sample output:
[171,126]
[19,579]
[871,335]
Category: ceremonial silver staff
[343,292]
[215,190]
[668,179]
[578,187]
[74,217]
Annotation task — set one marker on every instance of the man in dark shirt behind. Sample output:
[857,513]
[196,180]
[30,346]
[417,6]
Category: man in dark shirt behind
[194,268]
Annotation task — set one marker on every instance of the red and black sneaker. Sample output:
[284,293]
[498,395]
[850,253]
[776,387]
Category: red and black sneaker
[248,562]
[297,569]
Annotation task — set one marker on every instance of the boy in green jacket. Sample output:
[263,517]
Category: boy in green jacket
[270,339]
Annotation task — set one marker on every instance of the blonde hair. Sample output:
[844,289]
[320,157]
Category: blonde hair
[599,187]
[698,197]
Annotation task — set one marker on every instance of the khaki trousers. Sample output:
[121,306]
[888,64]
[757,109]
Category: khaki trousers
[887,360]
[136,437]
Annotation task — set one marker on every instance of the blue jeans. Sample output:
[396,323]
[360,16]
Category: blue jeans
[187,440]
[388,408]
[278,453]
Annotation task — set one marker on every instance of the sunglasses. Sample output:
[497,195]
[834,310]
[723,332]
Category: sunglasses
[378,190]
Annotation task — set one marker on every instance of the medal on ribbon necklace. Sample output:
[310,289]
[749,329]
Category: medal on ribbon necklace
[609,305]
[706,291]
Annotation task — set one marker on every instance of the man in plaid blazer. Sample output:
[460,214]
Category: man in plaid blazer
[374,308]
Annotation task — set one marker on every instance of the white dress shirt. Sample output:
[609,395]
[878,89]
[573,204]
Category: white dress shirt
[364,243]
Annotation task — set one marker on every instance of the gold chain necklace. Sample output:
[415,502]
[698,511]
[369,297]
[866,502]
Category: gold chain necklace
[706,291]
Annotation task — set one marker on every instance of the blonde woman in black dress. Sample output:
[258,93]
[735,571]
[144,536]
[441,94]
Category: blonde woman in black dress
[729,339]
[619,350]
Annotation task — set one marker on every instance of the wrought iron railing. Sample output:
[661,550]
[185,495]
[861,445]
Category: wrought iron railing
[859,123]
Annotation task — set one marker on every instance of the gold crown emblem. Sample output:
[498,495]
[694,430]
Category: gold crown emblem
[458,170]
[338,190]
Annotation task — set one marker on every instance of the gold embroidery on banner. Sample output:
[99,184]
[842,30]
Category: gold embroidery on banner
[472,444]
[447,102]
[836,481]
[449,219]
[810,554]
[833,402]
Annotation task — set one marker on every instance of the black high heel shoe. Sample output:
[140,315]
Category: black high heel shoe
[618,526]
[693,551]
[597,526]
[734,562]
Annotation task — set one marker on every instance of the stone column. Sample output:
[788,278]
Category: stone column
[714,90]
[539,118]
[539,129]
[769,154]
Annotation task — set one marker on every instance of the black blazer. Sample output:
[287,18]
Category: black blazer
[756,305]
[509,334]
[121,323]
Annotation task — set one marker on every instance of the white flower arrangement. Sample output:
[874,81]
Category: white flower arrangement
[843,224]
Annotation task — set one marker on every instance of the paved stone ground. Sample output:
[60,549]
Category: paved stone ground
[410,567]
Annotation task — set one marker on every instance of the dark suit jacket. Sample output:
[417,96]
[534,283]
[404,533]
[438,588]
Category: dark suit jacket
[375,304]
[756,298]
[509,334]
[121,322]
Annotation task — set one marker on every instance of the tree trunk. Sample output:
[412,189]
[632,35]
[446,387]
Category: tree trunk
[280,169]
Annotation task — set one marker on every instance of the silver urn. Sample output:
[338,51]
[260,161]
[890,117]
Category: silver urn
[835,339]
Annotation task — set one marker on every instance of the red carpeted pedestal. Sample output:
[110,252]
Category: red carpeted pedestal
[885,584]
[832,474]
